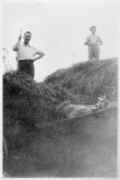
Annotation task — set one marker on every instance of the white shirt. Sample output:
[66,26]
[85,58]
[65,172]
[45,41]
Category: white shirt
[25,52]
[93,40]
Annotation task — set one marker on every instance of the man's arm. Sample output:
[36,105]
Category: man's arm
[38,55]
[87,42]
[100,41]
[16,46]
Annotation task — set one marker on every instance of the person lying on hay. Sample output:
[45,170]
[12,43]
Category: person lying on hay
[80,110]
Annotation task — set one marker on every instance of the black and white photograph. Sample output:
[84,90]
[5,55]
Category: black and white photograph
[60,88]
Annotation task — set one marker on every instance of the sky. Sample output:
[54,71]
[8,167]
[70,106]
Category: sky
[59,29]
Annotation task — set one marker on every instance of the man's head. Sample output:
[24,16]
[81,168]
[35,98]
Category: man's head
[93,29]
[27,37]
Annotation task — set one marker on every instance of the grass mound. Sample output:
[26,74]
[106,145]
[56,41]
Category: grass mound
[27,103]
[88,80]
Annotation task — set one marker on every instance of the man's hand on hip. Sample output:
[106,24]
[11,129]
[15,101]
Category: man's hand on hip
[37,56]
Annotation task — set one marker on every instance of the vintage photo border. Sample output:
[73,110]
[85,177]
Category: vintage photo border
[1,90]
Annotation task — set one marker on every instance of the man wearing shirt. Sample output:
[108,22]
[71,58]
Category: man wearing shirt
[93,42]
[26,54]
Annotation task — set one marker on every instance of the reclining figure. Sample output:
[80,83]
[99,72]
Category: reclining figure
[78,110]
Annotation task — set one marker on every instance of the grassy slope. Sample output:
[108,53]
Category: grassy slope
[28,102]
[88,79]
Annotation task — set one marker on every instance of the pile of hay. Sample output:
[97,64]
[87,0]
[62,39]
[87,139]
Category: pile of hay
[88,80]
[27,103]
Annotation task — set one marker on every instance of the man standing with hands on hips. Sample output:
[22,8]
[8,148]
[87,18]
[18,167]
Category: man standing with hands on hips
[26,54]
[93,42]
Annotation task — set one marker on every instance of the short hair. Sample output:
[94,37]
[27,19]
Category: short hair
[28,32]
[92,27]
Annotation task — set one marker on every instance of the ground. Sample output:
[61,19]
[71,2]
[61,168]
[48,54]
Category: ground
[79,147]
[84,147]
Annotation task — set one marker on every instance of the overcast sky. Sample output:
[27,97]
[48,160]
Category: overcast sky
[60,28]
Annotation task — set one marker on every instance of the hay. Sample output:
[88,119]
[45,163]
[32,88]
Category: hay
[27,103]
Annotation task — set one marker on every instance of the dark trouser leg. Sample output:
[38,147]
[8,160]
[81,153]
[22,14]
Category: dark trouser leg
[31,69]
[26,66]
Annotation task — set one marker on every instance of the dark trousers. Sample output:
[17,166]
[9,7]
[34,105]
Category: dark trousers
[26,66]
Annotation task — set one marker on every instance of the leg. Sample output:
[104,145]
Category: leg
[31,69]
[26,66]
[96,52]
[90,53]
[22,66]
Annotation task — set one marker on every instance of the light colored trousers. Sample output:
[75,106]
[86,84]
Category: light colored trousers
[93,52]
